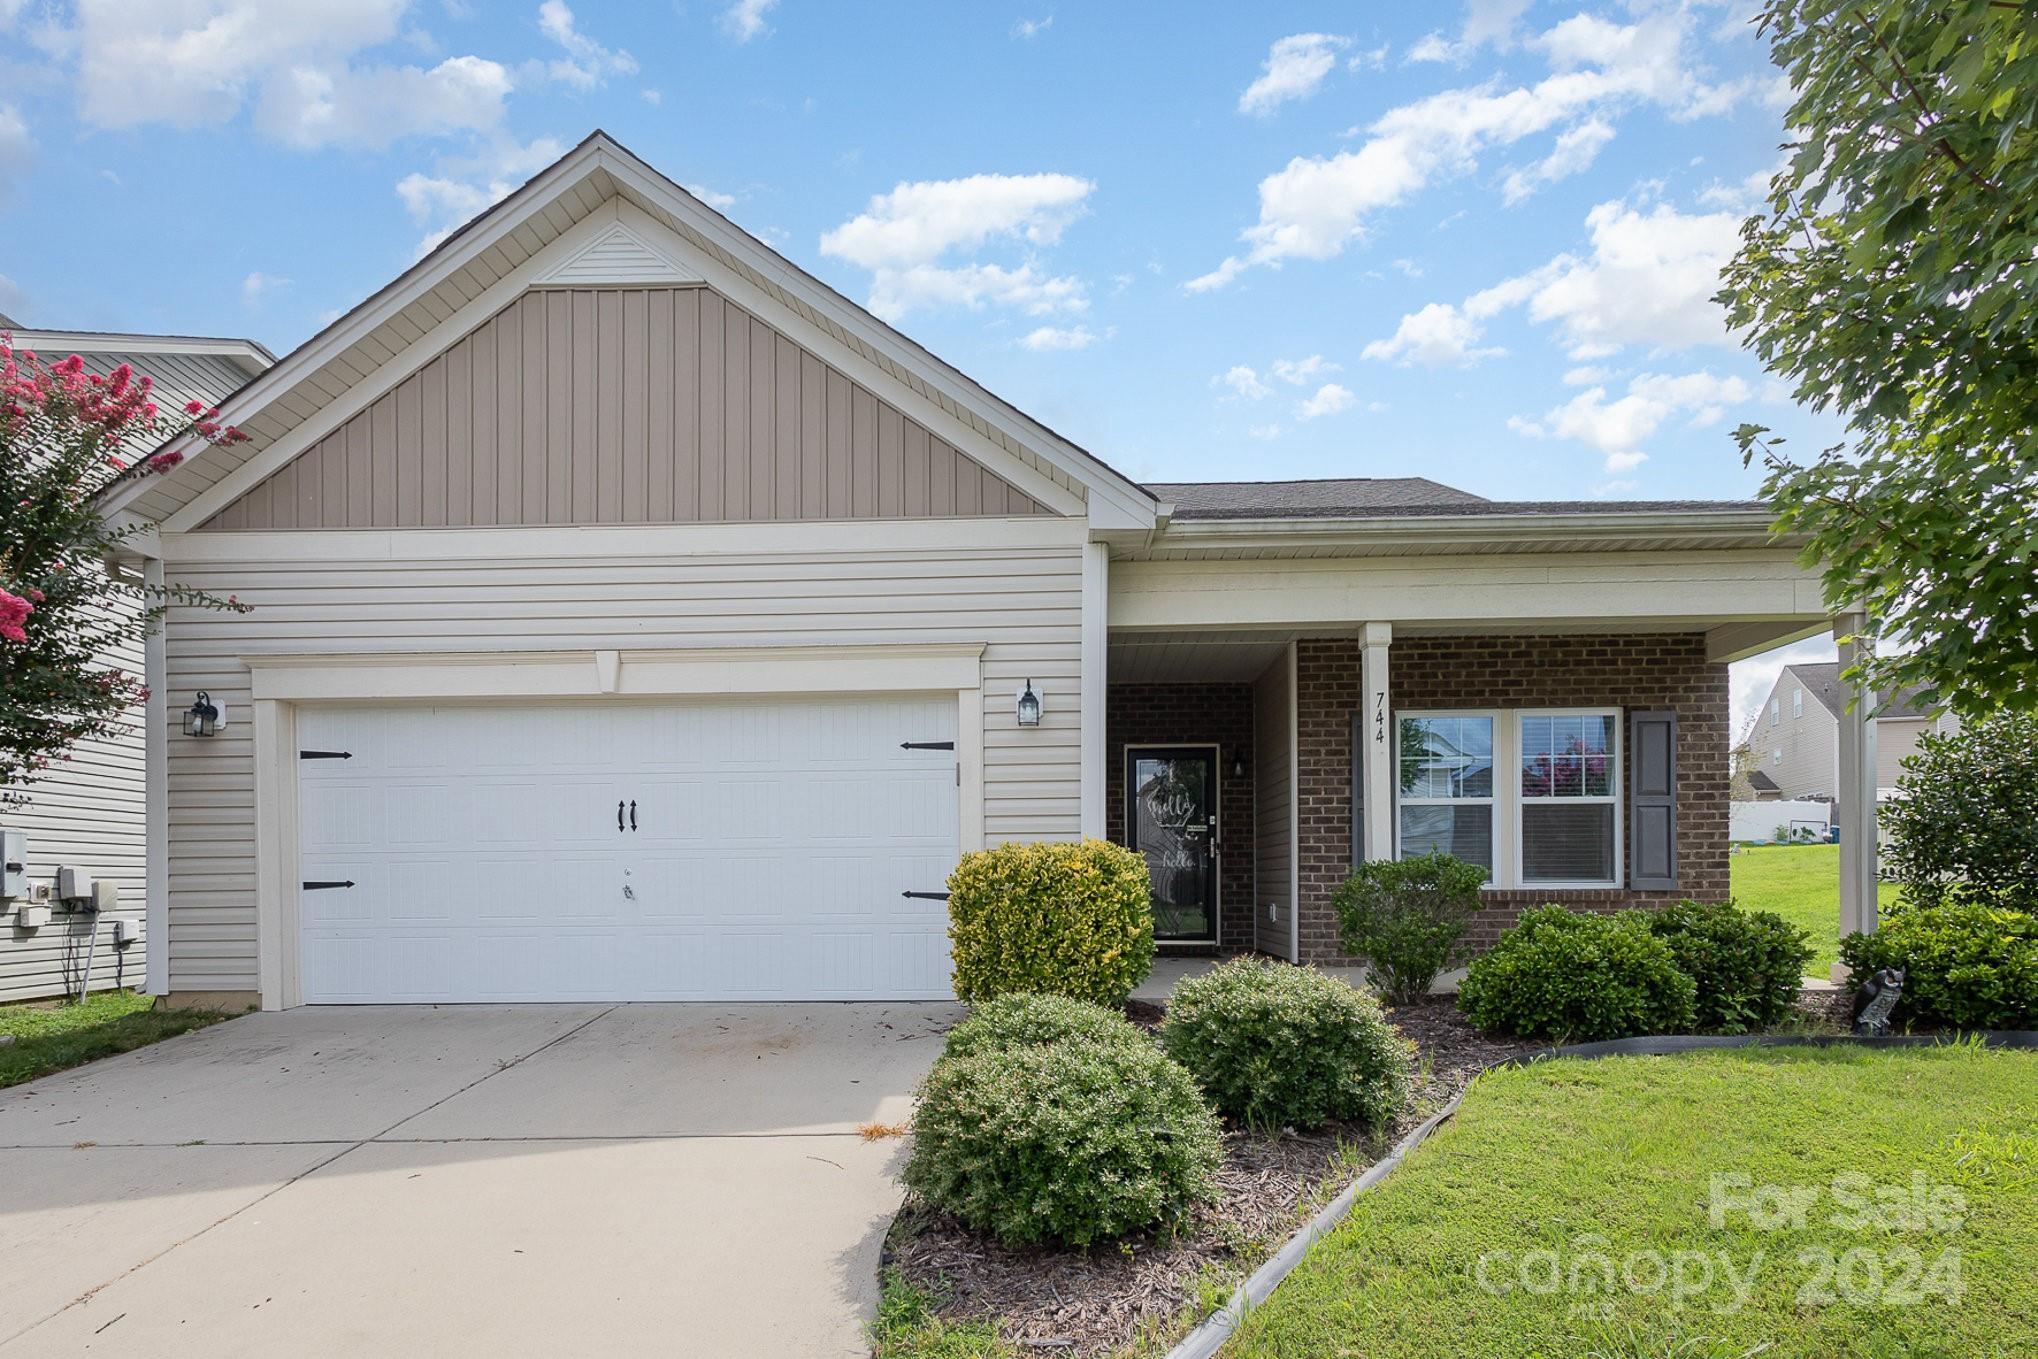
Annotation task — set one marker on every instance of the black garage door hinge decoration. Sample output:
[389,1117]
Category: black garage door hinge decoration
[926,745]
[325,754]
[322,884]
[926,896]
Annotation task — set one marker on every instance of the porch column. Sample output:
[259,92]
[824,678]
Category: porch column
[1094,650]
[1857,783]
[1377,765]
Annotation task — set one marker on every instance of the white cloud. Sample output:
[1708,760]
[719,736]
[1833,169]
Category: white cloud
[652,97]
[1051,337]
[1264,433]
[257,286]
[1329,399]
[586,61]
[1648,281]
[12,298]
[1437,335]
[744,19]
[1575,150]
[1032,28]
[1294,69]
[902,235]
[1488,23]
[465,186]
[1586,376]
[720,202]
[202,61]
[1619,427]
[1747,194]
[1243,382]
[1316,206]
[17,149]
[1296,372]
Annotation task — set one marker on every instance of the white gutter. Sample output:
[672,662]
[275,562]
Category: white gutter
[1431,529]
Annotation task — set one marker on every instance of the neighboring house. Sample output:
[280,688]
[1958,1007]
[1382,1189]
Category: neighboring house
[87,812]
[637,618]
[1794,750]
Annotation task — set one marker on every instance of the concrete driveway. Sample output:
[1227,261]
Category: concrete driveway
[475,1180]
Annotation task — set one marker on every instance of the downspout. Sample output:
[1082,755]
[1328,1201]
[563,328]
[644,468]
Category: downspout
[156,793]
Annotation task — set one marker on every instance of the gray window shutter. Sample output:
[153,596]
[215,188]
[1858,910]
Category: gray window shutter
[1652,801]
[1358,789]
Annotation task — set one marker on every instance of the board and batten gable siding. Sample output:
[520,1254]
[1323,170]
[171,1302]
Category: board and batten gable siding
[1019,593]
[612,405]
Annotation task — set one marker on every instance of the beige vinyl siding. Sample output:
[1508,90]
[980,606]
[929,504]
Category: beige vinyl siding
[623,406]
[1273,808]
[1810,744]
[85,812]
[1022,602]
[1896,740]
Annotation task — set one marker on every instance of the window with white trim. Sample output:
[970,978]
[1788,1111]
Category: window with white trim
[1445,778]
[1533,795]
[1569,811]
[1775,711]
[1776,755]
[1796,703]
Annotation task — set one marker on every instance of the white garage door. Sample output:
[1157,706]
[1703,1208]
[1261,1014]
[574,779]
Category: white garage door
[719,850]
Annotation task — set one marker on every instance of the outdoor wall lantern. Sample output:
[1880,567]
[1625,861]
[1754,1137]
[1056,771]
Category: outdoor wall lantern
[203,719]
[1237,765]
[1029,706]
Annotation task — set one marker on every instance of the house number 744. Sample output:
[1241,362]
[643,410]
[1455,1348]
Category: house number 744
[1380,717]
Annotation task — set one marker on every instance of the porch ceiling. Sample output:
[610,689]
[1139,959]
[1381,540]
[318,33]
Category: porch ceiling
[1194,657]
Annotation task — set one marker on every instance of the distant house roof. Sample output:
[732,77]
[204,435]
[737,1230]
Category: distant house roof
[1822,680]
[1762,783]
[1374,497]
[182,367]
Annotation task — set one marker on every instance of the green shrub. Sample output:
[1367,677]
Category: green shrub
[1961,828]
[1066,919]
[1748,966]
[1275,1045]
[1405,918]
[1578,977]
[1965,967]
[1072,1142]
[1025,1019]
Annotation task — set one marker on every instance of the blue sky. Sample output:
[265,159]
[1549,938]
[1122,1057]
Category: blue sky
[1207,242]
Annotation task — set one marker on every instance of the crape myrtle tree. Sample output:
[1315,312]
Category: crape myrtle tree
[1893,279]
[66,437]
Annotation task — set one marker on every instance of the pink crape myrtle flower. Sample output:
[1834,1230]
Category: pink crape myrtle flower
[14,611]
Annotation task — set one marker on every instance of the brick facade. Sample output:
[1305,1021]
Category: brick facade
[1651,671]
[1193,714]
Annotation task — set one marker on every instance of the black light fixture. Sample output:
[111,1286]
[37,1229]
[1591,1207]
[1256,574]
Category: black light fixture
[203,719]
[1029,706]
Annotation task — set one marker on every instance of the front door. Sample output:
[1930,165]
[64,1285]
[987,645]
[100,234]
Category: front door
[1171,818]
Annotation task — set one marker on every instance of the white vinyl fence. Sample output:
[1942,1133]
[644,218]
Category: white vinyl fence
[1761,820]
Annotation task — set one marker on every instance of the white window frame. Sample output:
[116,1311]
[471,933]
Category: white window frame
[1502,847]
[1797,703]
[1776,757]
[1507,801]
[1775,711]
[1613,799]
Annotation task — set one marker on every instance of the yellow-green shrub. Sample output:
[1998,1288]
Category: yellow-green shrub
[1066,919]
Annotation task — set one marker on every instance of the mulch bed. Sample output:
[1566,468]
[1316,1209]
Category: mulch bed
[1087,1303]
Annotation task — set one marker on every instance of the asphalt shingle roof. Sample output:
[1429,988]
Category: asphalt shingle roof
[1368,497]
[1822,680]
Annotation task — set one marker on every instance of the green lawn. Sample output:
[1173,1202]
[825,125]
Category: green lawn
[51,1037]
[1801,883]
[1613,1161]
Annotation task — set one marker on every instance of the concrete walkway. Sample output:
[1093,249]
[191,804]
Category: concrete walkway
[475,1180]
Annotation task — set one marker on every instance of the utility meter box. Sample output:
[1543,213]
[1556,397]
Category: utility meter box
[73,884]
[13,863]
[31,917]
[105,895]
[125,932]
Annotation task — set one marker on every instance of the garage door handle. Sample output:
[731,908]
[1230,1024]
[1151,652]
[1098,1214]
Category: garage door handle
[619,816]
[322,886]
[926,896]
[633,817]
